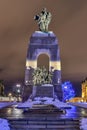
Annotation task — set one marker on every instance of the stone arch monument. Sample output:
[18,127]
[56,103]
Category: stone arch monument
[42,42]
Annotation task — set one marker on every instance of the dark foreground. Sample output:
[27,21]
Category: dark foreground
[20,120]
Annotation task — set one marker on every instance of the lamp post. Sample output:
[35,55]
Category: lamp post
[18,91]
[10,96]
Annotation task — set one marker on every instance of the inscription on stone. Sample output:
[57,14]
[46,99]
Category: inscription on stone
[44,91]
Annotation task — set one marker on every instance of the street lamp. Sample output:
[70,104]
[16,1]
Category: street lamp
[18,91]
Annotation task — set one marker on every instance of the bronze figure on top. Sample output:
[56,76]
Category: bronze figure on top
[43,20]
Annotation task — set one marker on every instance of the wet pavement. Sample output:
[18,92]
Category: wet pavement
[13,112]
[29,120]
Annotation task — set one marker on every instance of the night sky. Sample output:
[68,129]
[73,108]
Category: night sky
[69,23]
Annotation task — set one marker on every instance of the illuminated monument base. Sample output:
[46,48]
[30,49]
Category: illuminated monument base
[43,50]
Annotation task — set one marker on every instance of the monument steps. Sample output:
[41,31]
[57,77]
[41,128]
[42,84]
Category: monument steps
[44,124]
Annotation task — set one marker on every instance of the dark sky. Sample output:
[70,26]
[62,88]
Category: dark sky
[69,23]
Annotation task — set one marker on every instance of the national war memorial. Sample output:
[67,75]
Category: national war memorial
[45,43]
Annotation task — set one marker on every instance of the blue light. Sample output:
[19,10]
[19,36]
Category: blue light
[68,91]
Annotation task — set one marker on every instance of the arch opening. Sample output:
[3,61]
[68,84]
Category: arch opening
[43,60]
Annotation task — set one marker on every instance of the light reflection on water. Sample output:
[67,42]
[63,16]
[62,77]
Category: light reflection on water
[72,112]
[14,112]
[80,113]
[17,111]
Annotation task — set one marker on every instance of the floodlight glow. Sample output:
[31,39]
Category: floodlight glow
[26,81]
[18,85]
[65,86]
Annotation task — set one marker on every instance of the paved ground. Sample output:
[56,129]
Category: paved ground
[14,115]
[12,112]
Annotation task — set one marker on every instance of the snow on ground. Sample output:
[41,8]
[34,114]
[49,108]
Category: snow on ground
[47,85]
[5,104]
[45,100]
[56,103]
[4,125]
[27,104]
[38,100]
[80,104]
[59,104]
[83,124]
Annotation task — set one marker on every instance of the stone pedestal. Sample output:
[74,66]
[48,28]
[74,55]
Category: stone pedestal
[44,43]
[43,91]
